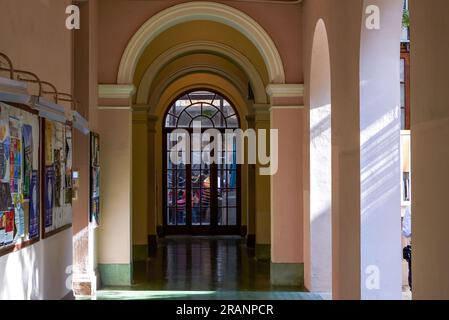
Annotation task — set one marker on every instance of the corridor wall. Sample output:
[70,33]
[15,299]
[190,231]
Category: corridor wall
[33,34]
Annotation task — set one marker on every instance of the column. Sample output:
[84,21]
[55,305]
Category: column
[430,148]
[251,217]
[85,275]
[152,186]
[262,195]
[287,116]
[140,182]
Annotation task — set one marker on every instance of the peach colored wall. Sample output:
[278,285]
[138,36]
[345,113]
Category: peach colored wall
[430,148]
[286,186]
[115,231]
[34,35]
[120,19]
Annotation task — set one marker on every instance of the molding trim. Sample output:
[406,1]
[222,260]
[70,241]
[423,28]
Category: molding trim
[286,108]
[116,91]
[285,90]
[201,47]
[114,108]
[191,11]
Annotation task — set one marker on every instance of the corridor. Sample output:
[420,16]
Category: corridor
[203,268]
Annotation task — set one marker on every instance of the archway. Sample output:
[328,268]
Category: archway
[191,11]
[319,275]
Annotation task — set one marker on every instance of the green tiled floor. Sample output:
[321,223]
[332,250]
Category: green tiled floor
[204,295]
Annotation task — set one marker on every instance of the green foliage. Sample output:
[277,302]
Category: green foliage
[406,19]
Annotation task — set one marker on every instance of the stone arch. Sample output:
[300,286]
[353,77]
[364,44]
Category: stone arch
[201,11]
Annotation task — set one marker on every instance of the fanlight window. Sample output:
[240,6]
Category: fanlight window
[210,109]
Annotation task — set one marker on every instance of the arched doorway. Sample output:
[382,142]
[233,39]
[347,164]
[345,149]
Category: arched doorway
[320,270]
[201,196]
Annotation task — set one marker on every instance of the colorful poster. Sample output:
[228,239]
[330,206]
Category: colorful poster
[49,137]
[95,179]
[15,156]
[4,144]
[19,216]
[9,227]
[5,197]
[58,179]
[49,196]
[27,135]
[34,205]
[2,228]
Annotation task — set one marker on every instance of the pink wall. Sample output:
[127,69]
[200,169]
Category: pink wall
[120,19]
[287,219]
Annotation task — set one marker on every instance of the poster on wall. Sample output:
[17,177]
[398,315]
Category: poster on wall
[95,179]
[19,214]
[34,205]
[4,145]
[15,155]
[49,186]
[68,167]
[9,227]
[2,228]
[57,198]
[19,166]
[5,197]
[27,134]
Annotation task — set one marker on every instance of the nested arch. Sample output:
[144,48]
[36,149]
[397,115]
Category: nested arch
[208,11]
[202,46]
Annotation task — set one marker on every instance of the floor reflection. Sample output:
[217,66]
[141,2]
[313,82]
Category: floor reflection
[204,264]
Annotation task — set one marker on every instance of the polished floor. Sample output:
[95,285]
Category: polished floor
[203,268]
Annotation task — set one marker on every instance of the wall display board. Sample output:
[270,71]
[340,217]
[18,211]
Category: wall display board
[95,179]
[19,176]
[57,177]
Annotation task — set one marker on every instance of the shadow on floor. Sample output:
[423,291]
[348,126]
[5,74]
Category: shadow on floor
[201,268]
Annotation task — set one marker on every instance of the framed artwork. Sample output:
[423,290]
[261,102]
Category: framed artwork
[57,177]
[95,179]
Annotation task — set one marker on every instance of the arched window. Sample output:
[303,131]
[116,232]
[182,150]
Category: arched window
[211,109]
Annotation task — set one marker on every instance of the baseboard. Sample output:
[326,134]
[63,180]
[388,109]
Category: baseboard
[287,274]
[115,274]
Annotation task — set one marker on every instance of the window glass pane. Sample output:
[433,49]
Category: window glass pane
[222,217]
[402,73]
[171,197]
[232,122]
[232,216]
[181,215]
[222,198]
[402,95]
[232,197]
[170,121]
[208,110]
[171,216]
[171,181]
[227,109]
[184,120]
